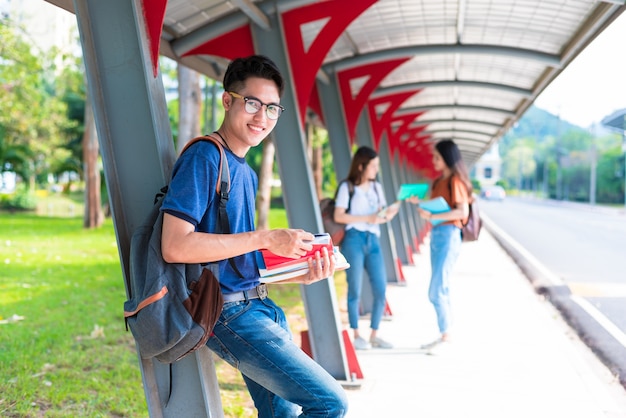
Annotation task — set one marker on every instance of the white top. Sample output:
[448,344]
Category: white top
[362,203]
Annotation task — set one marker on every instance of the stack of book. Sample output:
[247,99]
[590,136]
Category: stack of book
[275,268]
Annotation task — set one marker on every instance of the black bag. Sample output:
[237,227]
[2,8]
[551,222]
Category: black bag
[173,307]
[327,206]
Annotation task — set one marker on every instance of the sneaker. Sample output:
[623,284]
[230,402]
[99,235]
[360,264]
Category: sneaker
[431,345]
[361,344]
[380,343]
[437,347]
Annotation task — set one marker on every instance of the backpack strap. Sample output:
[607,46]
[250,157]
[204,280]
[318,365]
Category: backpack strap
[469,203]
[222,188]
[350,192]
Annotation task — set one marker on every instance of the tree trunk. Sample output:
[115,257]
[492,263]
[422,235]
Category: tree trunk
[316,160]
[189,105]
[94,215]
[266,176]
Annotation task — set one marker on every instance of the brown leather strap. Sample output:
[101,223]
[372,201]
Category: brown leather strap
[219,145]
[148,301]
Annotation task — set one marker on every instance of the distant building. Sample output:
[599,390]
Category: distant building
[487,169]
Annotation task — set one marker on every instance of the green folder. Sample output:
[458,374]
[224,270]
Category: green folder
[415,189]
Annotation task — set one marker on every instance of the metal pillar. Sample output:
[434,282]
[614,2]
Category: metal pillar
[303,211]
[387,240]
[138,154]
[394,227]
[336,126]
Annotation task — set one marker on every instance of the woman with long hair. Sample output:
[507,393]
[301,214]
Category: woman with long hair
[358,203]
[455,187]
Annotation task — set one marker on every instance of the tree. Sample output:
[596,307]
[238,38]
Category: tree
[93,216]
[266,175]
[190,101]
[519,162]
[32,115]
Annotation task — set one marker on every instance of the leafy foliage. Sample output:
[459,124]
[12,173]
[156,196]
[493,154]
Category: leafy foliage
[32,114]
[544,153]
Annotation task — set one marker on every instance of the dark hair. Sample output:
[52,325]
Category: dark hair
[451,155]
[240,69]
[360,160]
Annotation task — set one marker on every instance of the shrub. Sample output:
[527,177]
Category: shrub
[21,200]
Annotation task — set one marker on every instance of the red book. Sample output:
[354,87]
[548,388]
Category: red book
[274,262]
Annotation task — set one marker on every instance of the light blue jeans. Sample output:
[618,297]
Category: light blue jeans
[362,251]
[445,245]
[253,336]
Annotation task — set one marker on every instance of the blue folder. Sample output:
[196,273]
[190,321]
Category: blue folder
[436,205]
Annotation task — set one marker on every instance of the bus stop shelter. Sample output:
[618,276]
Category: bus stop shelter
[397,75]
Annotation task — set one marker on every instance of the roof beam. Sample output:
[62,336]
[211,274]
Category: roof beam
[460,140]
[420,122]
[412,51]
[383,91]
[211,30]
[416,109]
[254,13]
[249,11]
[452,132]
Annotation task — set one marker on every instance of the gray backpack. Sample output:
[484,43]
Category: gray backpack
[173,307]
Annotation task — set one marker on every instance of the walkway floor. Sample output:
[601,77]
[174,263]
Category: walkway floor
[513,356]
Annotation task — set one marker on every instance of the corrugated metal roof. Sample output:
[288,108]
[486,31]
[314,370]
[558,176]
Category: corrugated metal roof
[468,68]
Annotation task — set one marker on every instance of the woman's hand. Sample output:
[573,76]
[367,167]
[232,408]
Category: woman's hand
[375,219]
[392,211]
[424,214]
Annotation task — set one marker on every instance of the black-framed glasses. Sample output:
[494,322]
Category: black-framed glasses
[253,105]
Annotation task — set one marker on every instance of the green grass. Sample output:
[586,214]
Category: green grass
[68,352]
[64,350]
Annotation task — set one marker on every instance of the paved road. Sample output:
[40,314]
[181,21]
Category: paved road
[576,254]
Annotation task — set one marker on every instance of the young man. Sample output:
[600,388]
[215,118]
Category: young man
[252,333]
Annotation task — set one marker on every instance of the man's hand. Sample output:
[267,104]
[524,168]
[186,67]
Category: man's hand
[292,243]
[321,267]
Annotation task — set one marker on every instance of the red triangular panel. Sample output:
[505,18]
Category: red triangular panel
[353,105]
[231,45]
[405,124]
[306,63]
[315,104]
[154,15]
[382,123]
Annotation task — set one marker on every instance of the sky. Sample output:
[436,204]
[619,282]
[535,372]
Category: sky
[594,85]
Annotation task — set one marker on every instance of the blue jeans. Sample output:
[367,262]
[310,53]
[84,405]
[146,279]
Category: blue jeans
[253,336]
[445,245]
[362,251]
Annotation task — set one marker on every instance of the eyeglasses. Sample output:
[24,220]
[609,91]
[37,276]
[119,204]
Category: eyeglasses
[253,105]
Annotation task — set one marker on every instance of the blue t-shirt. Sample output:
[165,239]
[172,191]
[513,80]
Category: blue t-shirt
[192,196]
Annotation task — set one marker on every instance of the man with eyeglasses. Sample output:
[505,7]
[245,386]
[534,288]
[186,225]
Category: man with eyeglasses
[252,333]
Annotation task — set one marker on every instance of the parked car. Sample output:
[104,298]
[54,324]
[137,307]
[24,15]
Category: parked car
[493,193]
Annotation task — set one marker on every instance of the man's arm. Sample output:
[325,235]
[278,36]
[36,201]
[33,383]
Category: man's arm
[180,243]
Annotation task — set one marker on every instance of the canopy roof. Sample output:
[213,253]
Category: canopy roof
[423,69]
